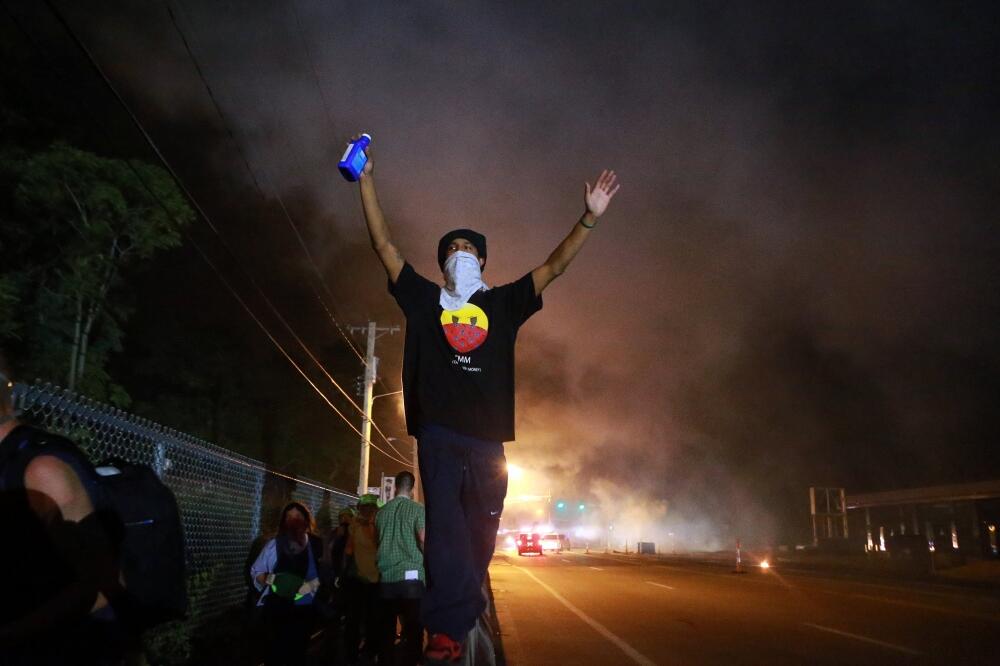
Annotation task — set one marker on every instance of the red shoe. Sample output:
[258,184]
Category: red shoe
[441,649]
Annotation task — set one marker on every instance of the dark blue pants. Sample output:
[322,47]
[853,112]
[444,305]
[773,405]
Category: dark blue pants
[465,482]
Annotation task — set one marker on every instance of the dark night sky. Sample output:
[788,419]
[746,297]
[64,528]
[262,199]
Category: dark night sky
[797,284]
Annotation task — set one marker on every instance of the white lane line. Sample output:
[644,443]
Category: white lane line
[632,653]
[649,582]
[616,560]
[742,579]
[597,568]
[916,604]
[891,646]
[565,560]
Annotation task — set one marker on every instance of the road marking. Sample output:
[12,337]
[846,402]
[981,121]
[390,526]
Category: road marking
[565,560]
[632,653]
[616,560]
[891,646]
[916,604]
[742,579]
[597,568]
[649,582]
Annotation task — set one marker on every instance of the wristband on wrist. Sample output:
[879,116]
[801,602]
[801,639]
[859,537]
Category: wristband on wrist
[588,226]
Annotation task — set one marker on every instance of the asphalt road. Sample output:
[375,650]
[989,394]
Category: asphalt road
[596,609]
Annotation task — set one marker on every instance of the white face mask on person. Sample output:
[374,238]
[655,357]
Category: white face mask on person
[463,278]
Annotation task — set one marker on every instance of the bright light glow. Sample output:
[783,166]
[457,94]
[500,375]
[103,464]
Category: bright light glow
[560,505]
[539,512]
[765,564]
[992,528]
[510,542]
[514,473]
[582,507]
[585,532]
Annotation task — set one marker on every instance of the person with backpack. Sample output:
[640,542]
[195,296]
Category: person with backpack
[287,574]
[62,559]
[88,569]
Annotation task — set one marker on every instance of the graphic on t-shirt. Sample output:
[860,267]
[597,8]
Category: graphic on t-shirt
[465,328]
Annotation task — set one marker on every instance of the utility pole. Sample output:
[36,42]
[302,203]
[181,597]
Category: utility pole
[373,332]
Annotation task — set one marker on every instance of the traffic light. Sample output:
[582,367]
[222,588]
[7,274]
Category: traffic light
[582,506]
[560,505]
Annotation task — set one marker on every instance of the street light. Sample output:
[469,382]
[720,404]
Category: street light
[366,425]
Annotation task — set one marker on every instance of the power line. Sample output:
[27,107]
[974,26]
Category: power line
[312,66]
[79,43]
[246,163]
[236,143]
[322,94]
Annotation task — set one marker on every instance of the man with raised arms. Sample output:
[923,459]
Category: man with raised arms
[458,391]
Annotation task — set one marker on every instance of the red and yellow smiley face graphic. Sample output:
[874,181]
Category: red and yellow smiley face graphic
[465,328]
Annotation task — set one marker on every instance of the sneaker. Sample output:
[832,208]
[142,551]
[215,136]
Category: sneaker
[441,649]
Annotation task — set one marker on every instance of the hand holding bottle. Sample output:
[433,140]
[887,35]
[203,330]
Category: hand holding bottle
[356,160]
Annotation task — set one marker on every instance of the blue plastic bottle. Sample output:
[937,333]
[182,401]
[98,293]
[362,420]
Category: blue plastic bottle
[354,159]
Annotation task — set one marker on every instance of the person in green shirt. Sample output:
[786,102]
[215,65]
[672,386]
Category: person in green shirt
[400,525]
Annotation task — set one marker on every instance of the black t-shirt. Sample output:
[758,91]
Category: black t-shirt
[458,366]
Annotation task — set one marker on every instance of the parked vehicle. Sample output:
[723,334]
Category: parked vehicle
[556,542]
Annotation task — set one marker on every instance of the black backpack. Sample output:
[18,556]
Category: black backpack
[136,508]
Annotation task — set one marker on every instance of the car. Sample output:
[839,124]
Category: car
[556,542]
[529,543]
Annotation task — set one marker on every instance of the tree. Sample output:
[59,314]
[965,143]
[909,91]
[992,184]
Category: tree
[79,223]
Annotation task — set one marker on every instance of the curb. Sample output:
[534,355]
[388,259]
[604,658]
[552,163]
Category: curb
[485,647]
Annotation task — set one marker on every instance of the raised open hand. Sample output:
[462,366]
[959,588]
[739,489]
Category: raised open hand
[598,199]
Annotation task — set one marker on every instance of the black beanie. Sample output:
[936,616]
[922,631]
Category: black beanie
[473,237]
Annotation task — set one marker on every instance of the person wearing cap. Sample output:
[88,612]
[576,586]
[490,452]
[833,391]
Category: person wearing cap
[458,393]
[363,617]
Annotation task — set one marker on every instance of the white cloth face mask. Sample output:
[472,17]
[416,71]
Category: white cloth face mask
[463,278]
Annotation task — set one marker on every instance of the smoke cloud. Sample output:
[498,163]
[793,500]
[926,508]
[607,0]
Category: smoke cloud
[796,285]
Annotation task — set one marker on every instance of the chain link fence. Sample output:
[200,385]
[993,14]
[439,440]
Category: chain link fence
[222,495]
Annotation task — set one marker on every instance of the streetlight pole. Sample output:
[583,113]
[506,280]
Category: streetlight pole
[413,444]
